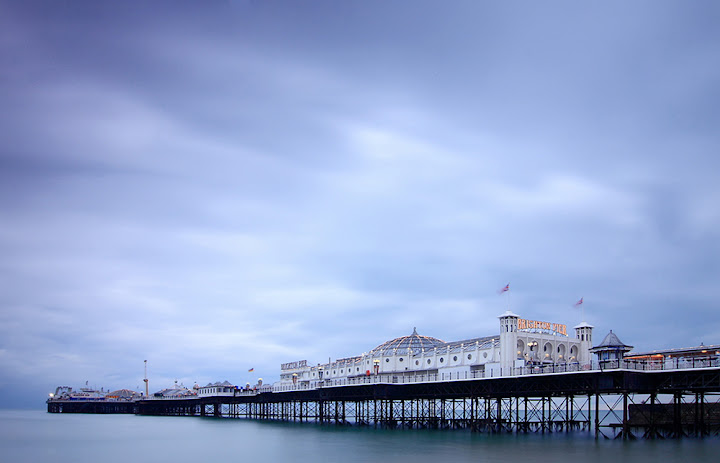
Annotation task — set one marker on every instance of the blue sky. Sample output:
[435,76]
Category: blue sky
[218,186]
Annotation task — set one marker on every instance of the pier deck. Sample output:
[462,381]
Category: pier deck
[614,404]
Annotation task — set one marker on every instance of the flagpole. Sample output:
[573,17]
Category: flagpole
[582,306]
[506,289]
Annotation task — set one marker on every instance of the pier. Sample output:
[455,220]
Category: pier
[92,406]
[620,403]
[531,377]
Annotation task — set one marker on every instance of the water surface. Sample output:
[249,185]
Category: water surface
[35,436]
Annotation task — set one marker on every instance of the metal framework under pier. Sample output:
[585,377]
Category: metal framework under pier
[611,404]
[94,407]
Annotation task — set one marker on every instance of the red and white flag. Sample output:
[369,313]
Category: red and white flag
[579,303]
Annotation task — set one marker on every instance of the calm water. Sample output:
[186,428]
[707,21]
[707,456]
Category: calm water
[36,436]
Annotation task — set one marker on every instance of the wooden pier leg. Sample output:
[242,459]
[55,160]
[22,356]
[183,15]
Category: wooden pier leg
[597,415]
[589,413]
[391,413]
[701,396]
[375,412]
[453,422]
[488,415]
[697,414]
[677,414]
[652,429]
[625,423]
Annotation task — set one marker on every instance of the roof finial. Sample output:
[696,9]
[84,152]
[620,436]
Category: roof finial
[414,333]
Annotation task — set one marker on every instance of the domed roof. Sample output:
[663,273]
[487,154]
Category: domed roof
[610,342]
[412,344]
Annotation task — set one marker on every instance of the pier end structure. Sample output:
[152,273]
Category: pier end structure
[520,344]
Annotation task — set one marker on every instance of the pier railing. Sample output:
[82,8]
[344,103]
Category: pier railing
[395,378]
[660,364]
[534,369]
[236,393]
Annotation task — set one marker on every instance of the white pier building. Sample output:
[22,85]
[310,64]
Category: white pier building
[521,345]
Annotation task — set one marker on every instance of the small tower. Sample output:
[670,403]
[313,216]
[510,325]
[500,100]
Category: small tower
[583,332]
[508,341]
[611,350]
[147,387]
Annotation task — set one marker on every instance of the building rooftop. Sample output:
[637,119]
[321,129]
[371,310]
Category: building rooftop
[611,341]
[219,384]
[584,324]
[509,313]
[713,349]
[411,344]
[457,346]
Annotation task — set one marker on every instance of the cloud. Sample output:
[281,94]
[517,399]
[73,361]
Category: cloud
[236,188]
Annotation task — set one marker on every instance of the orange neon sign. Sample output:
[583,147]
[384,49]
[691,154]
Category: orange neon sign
[554,328]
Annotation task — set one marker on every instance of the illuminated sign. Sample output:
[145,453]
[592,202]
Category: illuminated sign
[293,365]
[547,327]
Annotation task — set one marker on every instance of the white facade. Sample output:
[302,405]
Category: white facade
[216,389]
[520,344]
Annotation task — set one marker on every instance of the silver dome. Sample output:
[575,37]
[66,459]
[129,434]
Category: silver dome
[407,345]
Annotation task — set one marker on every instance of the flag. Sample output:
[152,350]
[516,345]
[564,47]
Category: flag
[579,303]
[251,369]
[506,288]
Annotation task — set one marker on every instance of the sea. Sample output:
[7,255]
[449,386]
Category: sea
[38,436]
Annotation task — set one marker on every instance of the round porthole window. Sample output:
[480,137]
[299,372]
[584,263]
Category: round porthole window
[341,371]
[428,361]
[455,358]
[387,360]
[334,371]
[401,359]
[357,369]
[469,356]
[484,355]
[417,362]
[442,360]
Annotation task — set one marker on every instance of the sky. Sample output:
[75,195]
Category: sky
[225,185]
